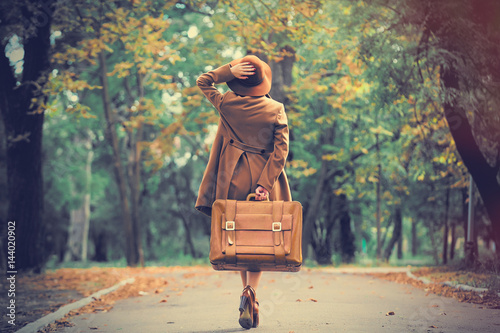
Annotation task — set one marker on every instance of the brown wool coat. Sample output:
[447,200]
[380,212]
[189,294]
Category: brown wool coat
[249,149]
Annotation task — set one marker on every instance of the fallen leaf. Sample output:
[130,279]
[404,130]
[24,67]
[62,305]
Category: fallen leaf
[432,326]
[298,300]
[312,299]
[390,313]
[310,287]
[434,306]
[163,301]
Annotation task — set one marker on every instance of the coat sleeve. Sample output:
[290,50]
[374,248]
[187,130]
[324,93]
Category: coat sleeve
[206,83]
[276,162]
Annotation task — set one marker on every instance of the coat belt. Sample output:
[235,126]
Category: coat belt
[247,148]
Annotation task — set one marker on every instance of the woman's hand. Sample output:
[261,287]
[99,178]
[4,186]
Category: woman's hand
[261,193]
[242,70]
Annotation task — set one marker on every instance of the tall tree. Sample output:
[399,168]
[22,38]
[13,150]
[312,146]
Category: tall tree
[78,233]
[467,32]
[126,47]
[22,100]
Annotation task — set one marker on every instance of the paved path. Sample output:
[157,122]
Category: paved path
[314,300]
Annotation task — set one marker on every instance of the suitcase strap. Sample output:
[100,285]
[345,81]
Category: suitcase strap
[279,246]
[231,234]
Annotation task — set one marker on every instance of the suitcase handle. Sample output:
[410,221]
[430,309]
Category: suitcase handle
[253,195]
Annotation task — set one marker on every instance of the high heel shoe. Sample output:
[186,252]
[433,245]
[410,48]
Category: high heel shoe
[247,314]
[255,313]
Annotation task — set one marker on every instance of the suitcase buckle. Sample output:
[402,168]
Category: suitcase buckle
[229,225]
[276,226]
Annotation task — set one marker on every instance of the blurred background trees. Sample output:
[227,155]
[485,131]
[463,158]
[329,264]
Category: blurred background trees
[390,103]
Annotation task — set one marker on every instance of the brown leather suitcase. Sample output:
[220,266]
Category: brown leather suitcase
[256,235]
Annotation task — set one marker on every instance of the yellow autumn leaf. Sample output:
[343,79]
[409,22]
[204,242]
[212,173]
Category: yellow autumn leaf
[329,157]
[320,88]
[339,191]
[380,130]
[310,171]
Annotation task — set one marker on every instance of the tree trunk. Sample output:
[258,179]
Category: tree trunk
[453,241]
[464,217]
[77,244]
[347,247]
[282,75]
[396,233]
[322,241]
[88,178]
[435,254]
[314,204]
[319,242]
[100,247]
[446,231]
[4,195]
[131,250]
[414,238]
[312,211]
[23,123]
[78,222]
[378,214]
[399,246]
[189,238]
[484,175]
[134,172]
[182,185]
[400,243]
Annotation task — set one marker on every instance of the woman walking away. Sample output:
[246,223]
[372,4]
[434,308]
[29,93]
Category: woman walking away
[249,151]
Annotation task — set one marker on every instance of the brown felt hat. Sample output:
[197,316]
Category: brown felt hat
[258,84]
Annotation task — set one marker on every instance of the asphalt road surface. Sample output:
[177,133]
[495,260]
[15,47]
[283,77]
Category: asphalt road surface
[313,300]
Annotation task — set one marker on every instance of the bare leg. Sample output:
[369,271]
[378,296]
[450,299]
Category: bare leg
[244,278]
[250,278]
[253,279]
